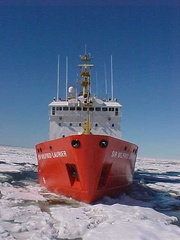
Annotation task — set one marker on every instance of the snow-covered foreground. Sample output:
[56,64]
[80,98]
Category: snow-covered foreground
[28,211]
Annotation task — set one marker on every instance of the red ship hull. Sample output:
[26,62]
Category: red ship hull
[86,167]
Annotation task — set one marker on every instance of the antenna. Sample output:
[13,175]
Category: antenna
[57,98]
[85,48]
[66,75]
[77,85]
[105,75]
[97,84]
[112,83]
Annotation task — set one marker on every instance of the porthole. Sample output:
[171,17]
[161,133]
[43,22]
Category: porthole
[75,143]
[103,143]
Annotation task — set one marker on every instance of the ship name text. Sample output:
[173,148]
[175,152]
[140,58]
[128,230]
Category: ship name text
[52,155]
[116,154]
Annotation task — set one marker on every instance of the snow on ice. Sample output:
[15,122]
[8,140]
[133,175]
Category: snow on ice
[150,211]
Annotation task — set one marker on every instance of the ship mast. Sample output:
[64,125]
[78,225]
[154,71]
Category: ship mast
[85,83]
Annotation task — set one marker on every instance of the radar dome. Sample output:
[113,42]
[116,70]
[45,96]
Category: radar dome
[71,89]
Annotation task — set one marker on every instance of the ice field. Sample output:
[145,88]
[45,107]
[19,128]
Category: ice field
[149,211]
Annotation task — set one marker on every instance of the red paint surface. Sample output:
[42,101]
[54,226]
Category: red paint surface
[101,171]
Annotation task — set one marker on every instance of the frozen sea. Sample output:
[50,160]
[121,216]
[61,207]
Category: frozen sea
[149,211]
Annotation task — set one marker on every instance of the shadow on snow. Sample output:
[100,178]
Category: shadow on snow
[140,194]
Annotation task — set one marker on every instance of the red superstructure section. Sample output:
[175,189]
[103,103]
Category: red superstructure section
[86,167]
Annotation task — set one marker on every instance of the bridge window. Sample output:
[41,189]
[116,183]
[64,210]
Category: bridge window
[72,108]
[111,109]
[91,109]
[98,109]
[116,112]
[104,109]
[78,108]
[84,108]
[58,108]
[53,111]
[65,108]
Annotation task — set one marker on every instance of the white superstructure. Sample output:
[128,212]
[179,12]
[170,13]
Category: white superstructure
[85,114]
[67,117]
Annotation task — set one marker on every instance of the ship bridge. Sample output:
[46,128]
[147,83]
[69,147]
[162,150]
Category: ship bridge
[85,114]
[67,117]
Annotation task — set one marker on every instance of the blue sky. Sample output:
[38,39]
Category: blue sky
[142,36]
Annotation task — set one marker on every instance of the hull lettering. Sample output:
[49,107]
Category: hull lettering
[49,155]
[116,154]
